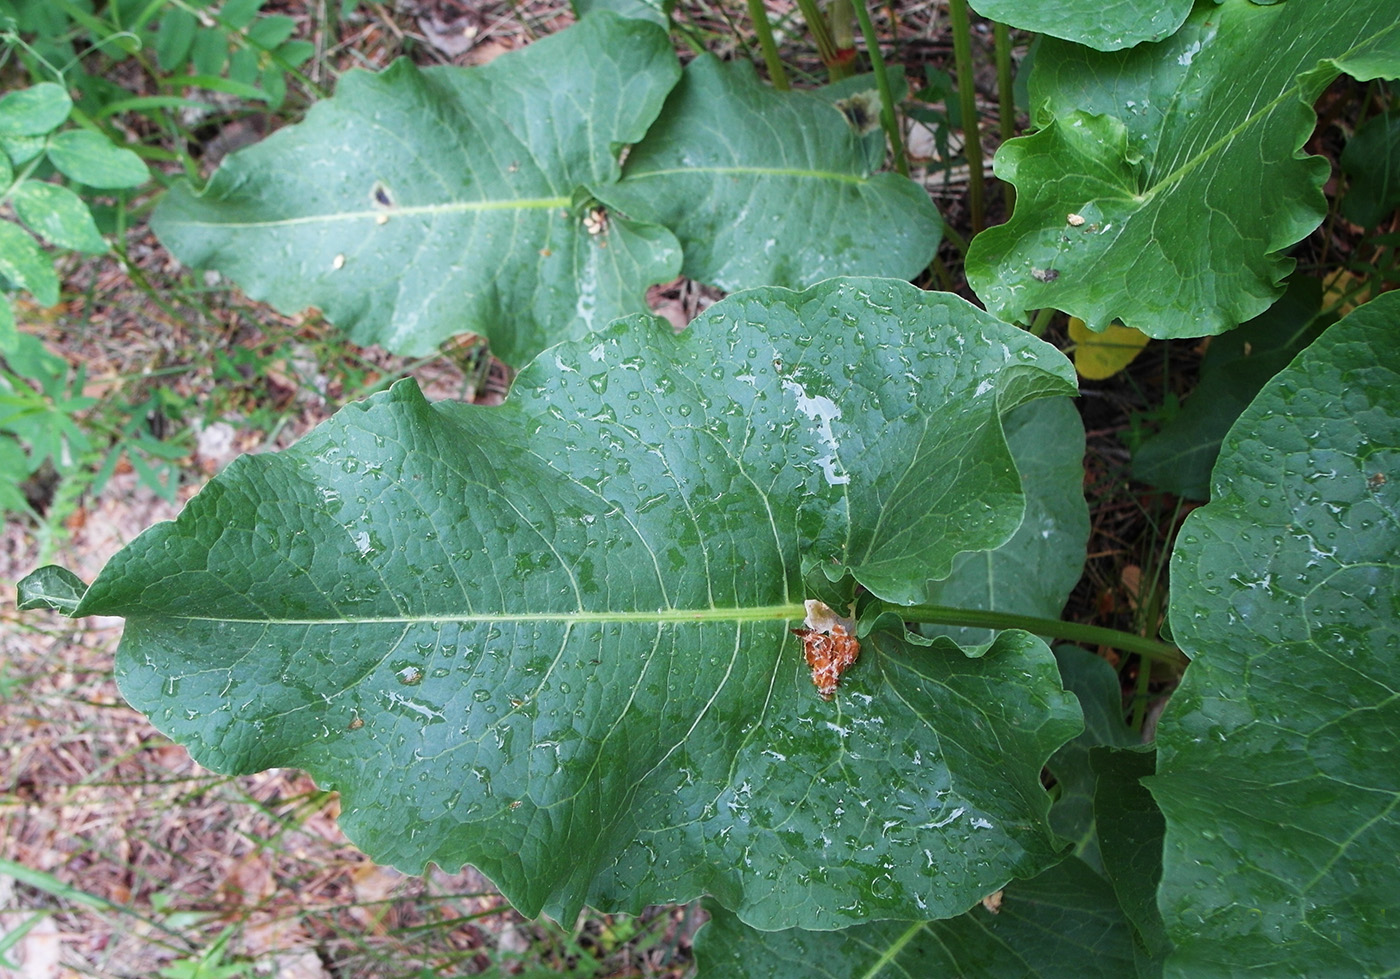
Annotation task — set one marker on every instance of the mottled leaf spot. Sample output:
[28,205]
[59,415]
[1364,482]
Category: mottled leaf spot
[1074,220]
[862,111]
[381,196]
[1376,482]
[410,675]
[830,646]
[356,724]
[992,902]
[1044,275]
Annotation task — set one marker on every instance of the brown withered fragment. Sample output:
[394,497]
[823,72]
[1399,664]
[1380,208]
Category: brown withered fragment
[829,644]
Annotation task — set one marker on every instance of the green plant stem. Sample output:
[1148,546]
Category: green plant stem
[843,36]
[777,74]
[967,97]
[240,37]
[882,81]
[20,177]
[1041,323]
[1141,691]
[940,272]
[1006,101]
[1053,628]
[951,236]
[49,884]
[821,33]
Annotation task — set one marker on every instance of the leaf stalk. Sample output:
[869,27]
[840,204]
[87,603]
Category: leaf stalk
[777,74]
[967,97]
[1006,101]
[882,81]
[1052,628]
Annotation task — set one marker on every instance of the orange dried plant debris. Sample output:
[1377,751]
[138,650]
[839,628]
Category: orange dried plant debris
[830,645]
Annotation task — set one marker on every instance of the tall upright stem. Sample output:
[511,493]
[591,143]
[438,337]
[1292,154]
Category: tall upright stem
[821,33]
[877,65]
[1041,323]
[1006,101]
[842,17]
[776,72]
[967,96]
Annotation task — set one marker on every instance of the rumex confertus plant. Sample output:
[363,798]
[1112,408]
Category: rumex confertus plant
[574,624]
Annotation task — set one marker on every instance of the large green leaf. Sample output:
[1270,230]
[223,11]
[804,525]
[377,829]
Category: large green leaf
[564,625]
[1277,773]
[1180,455]
[1095,683]
[417,205]
[1034,572]
[1371,162]
[35,110]
[1165,180]
[770,188]
[1130,829]
[657,11]
[1105,26]
[1064,924]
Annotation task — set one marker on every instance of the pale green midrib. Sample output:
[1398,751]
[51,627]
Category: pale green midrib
[453,207]
[760,613]
[892,952]
[845,178]
[1177,175]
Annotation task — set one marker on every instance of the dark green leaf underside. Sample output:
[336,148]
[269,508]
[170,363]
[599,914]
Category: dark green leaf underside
[1130,829]
[1371,162]
[1096,685]
[1180,456]
[1064,924]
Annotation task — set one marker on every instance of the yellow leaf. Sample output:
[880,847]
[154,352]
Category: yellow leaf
[1344,288]
[1101,355]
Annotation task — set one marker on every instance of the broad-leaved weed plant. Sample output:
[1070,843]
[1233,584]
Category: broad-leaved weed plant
[572,639]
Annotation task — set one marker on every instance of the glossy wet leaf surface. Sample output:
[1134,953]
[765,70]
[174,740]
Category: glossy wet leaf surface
[771,188]
[418,205]
[1164,183]
[563,625]
[1277,772]
[1034,571]
[1064,924]
[1106,26]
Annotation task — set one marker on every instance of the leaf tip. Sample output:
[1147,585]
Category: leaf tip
[51,587]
